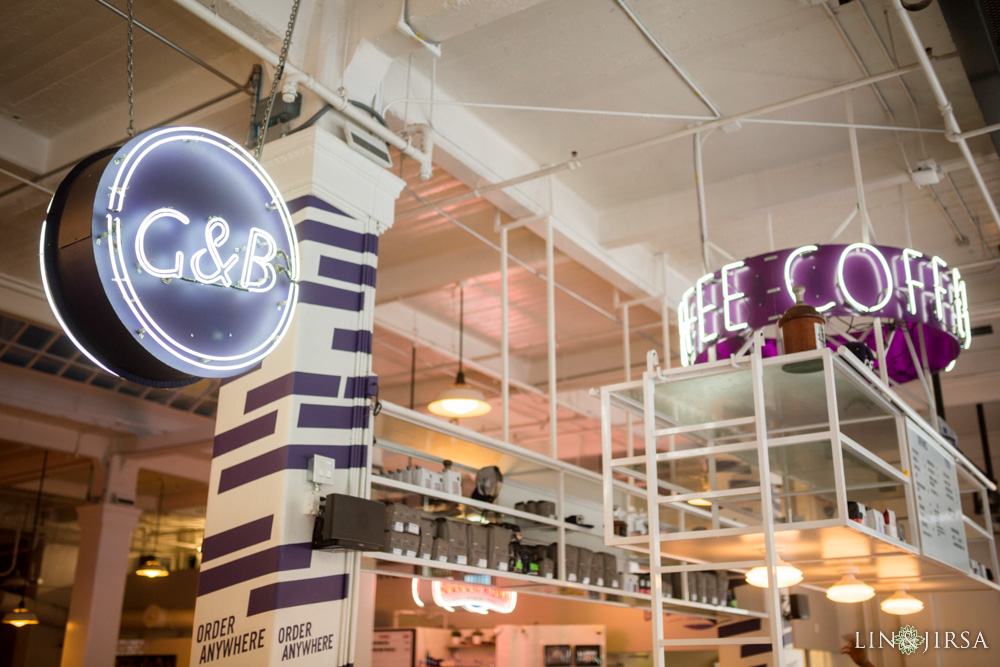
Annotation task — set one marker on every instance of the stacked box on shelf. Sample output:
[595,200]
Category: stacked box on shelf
[572,561]
[610,570]
[402,530]
[455,534]
[428,531]
[597,570]
[498,546]
[478,544]
[585,561]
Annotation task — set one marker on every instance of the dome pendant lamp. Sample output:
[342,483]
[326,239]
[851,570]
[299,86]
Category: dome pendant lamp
[849,589]
[901,603]
[460,399]
[788,575]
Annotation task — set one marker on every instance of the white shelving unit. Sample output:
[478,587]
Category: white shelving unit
[403,437]
[779,446]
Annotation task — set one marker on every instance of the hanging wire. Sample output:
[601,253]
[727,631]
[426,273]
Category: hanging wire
[34,526]
[278,72]
[461,328]
[131,105]
[159,511]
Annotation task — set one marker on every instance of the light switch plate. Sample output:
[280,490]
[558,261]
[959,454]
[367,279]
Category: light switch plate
[321,469]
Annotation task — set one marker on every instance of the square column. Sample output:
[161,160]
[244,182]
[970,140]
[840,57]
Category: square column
[264,596]
[95,610]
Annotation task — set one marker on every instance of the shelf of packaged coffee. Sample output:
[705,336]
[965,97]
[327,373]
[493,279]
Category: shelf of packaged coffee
[823,550]
[528,583]
[507,512]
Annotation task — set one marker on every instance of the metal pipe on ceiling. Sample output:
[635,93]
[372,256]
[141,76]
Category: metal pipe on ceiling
[748,116]
[968,213]
[303,78]
[695,88]
[944,104]
[187,54]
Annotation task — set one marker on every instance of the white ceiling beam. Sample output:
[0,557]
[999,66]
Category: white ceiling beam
[25,301]
[88,406]
[22,147]
[476,153]
[47,435]
[750,197]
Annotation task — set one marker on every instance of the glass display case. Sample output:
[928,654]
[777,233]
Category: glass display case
[805,457]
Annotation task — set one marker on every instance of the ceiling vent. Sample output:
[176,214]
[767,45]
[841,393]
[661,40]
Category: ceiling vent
[368,145]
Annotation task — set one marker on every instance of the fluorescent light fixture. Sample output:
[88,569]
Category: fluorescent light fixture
[849,589]
[901,604]
[788,575]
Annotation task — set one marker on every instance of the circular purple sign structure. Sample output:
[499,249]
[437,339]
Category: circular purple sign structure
[903,287]
[194,251]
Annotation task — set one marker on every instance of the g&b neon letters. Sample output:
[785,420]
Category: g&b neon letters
[216,234]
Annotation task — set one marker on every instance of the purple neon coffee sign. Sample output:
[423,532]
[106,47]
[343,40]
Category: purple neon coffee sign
[896,284]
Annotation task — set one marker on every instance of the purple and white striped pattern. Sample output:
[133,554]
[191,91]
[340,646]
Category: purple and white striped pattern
[311,396]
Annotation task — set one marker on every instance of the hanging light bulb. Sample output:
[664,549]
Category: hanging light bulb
[148,565]
[849,589]
[901,604]
[460,399]
[787,575]
[20,617]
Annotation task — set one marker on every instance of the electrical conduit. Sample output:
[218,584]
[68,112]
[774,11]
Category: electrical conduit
[329,96]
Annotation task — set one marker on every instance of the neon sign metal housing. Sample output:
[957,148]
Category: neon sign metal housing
[171,258]
[859,280]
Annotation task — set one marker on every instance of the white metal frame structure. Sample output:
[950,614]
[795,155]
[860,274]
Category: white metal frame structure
[749,406]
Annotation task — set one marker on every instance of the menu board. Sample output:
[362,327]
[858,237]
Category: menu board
[393,648]
[939,507]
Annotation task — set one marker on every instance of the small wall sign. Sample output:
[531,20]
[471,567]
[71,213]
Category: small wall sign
[171,258]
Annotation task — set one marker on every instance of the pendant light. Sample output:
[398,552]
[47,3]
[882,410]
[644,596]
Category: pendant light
[901,604]
[460,399]
[849,589]
[21,617]
[788,575]
[149,566]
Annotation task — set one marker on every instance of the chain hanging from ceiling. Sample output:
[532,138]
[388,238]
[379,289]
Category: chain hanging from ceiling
[131,105]
[278,72]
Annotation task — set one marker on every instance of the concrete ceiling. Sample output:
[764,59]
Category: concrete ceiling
[590,86]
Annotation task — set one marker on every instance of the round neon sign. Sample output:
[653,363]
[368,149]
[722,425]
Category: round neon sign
[172,257]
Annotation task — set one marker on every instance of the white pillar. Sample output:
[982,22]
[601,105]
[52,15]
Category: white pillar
[265,597]
[95,610]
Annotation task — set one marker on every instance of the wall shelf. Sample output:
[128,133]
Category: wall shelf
[403,436]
